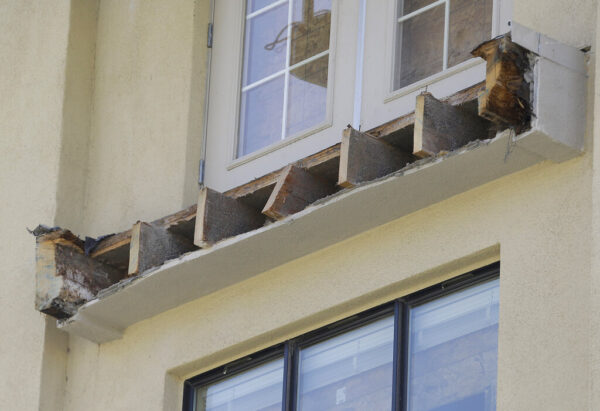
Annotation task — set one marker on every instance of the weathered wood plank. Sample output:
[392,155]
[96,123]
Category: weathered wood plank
[152,245]
[181,223]
[114,250]
[220,217]
[65,276]
[441,126]
[364,158]
[296,189]
[506,98]
[257,192]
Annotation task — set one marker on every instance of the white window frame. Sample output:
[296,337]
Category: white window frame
[236,160]
[381,102]
[223,169]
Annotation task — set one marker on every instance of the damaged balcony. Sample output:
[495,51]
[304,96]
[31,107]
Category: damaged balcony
[529,109]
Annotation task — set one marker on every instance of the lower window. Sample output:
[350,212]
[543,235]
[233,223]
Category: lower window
[435,350]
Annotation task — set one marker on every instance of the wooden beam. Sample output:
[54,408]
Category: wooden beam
[443,127]
[181,223]
[296,189]
[220,217]
[114,250]
[152,245]
[364,158]
[65,276]
[506,98]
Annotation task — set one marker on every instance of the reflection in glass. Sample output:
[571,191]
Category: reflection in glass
[260,388]
[310,29]
[307,96]
[254,5]
[352,371]
[261,57]
[303,95]
[454,350]
[419,47]
[261,116]
[470,25]
[408,6]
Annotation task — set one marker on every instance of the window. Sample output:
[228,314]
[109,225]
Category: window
[435,350]
[428,48]
[285,70]
[432,36]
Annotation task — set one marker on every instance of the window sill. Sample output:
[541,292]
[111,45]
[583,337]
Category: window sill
[465,65]
[276,146]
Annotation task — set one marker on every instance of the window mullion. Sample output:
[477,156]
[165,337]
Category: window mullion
[289,375]
[288,53]
[446,33]
[399,365]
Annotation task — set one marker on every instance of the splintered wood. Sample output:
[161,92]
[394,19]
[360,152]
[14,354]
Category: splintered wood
[65,276]
[152,245]
[364,158]
[220,217]
[296,189]
[506,98]
[441,126]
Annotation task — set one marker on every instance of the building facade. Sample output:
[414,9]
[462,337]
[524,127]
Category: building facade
[103,124]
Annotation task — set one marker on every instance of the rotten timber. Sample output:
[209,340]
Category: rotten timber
[506,99]
[296,189]
[364,158]
[441,126]
[65,276]
[152,245]
[220,216]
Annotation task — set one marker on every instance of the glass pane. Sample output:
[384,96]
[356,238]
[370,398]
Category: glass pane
[419,47]
[310,28]
[470,25]
[265,44]
[253,5]
[260,388]
[408,6]
[307,96]
[352,371]
[454,351]
[260,116]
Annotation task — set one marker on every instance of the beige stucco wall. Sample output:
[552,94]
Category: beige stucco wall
[536,222]
[146,125]
[33,46]
[100,126]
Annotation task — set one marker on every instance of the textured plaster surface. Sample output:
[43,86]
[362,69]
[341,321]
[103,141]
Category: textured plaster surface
[33,48]
[542,16]
[535,221]
[142,141]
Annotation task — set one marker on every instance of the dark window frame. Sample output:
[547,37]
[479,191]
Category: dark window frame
[289,350]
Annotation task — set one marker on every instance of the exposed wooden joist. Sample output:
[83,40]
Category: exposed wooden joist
[152,245]
[181,223]
[400,131]
[364,158]
[441,126]
[65,276]
[257,192]
[506,98]
[114,250]
[296,189]
[220,216]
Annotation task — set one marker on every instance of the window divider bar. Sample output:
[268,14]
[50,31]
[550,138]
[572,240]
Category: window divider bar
[446,33]
[397,378]
[288,53]
[283,71]
[421,10]
[265,9]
